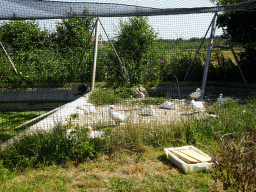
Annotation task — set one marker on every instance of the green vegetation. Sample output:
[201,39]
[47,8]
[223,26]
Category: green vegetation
[42,56]
[131,157]
[240,33]
[10,120]
[127,151]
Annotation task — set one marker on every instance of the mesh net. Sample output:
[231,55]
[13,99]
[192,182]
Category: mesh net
[45,56]
[34,9]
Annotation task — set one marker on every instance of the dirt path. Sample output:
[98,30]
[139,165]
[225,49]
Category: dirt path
[134,116]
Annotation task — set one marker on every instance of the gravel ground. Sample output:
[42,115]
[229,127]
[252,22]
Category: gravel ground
[133,115]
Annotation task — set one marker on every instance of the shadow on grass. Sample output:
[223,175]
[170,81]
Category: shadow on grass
[166,161]
[10,120]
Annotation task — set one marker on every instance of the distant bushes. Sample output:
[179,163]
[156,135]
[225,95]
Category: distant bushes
[64,56]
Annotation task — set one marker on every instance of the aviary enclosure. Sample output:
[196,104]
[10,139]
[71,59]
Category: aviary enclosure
[129,54]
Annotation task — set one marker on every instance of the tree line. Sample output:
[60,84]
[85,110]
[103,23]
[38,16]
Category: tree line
[65,55]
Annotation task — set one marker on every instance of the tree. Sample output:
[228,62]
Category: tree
[136,43]
[241,29]
[73,32]
[22,35]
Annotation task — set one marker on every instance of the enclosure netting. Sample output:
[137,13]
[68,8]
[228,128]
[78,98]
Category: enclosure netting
[34,9]
[40,72]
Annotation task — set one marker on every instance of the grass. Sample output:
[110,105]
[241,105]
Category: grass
[15,114]
[138,172]
[10,120]
[131,158]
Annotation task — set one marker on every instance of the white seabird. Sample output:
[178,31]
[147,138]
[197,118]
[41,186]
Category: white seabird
[197,104]
[221,99]
[168,105]
[210,115]
[148,111]
[95,134]
[195,95]
[87,108]
[117,117]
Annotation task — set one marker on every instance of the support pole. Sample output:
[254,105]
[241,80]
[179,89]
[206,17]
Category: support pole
[234,55]
[123,69]
[207,61]
[89,39]
[198,50]
[95,53]
[9,59]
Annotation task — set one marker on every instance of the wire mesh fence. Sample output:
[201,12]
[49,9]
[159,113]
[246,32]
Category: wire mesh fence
[156,51]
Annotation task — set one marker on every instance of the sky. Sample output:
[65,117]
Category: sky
[168,27]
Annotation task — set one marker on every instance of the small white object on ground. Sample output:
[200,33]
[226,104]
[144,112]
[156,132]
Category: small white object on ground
[87,108]
[148,111]
[210,115]
[168,105]
[171,154]
[197,104]
[117,117]
[221,99]
[95,134]
[70,134]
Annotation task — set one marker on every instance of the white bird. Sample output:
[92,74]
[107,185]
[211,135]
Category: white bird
[221,99]
[117,117]
[87,108]
[81,111]
[197,104]
[148,111]
[70,134]
[210,115]
[195,95]
[95,134]
[168,105]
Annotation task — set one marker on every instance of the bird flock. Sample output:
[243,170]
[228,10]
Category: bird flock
[119,117]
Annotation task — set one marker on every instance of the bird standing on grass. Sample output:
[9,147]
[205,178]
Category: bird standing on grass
[221,99]
[195,95]
[117,117]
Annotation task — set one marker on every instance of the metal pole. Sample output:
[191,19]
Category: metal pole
[237,62]
[82,57]
[123,69]
[95,53]
[9,59]
[198,50]
[207,61]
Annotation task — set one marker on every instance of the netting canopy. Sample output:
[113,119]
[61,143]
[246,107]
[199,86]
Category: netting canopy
[43,9]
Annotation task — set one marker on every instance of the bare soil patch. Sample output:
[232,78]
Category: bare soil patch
[133,114]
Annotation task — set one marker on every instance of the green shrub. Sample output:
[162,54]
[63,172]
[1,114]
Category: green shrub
[22,35]
[235,163]
[50,148]
[104,96]
[73,33]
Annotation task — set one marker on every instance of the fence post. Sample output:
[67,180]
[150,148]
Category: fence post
[234,55]
[207,61]
[95,53]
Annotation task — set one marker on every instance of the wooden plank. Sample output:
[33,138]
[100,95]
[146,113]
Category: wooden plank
[184,157]
[192,153]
